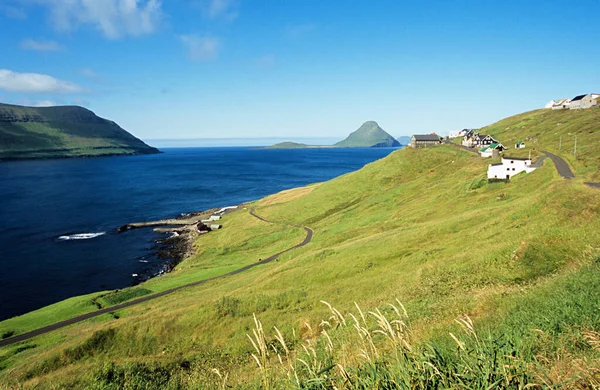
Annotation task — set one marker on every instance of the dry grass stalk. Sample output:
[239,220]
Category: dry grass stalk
[222,378]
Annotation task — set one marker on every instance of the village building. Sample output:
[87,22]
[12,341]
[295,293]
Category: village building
[561,104]
[509,167]
[424,140]
[458,133]
[492,150]
[482,140]
[519,145]
[583,102]
[468,137]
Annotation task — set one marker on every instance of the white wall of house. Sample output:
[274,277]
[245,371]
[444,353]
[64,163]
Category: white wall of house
[508,168]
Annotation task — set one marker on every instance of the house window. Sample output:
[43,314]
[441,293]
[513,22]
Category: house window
[508,169]
[513,169]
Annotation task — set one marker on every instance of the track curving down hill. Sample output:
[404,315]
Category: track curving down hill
[74,320]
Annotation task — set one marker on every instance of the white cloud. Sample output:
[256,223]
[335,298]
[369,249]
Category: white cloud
[35,83]
[219,9]
[114,18]
[41,45]
[13,12]
[43,103]
[201,48]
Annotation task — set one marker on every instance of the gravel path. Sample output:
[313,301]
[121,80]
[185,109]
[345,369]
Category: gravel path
[62,324]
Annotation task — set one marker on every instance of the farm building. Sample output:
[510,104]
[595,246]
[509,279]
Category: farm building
[509,167]
[519,145]
[582,102]
[424,140]
[492,150]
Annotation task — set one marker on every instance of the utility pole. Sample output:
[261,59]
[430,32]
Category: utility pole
[560,143]
[575,149]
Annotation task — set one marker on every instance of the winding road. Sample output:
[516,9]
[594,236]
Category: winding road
[74,320]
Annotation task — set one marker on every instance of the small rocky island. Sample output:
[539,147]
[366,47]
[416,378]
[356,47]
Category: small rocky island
[369,135]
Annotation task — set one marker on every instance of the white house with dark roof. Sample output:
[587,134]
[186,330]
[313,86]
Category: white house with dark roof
[483,140]
[509,167]
[581,102]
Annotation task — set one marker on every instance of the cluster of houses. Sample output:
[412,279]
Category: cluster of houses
[488,147]
[579,102]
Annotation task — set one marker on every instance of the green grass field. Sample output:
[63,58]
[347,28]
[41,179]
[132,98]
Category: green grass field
[436,279]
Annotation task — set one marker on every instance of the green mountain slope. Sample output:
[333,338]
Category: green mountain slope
[369,135]
[521,260]
[63,131]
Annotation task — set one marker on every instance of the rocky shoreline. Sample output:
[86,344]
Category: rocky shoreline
[183,231]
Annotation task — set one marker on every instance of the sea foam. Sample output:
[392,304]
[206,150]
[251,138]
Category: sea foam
[80,236]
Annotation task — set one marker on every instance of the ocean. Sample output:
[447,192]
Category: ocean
[58,217]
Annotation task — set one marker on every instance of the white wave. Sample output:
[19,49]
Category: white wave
[81,236]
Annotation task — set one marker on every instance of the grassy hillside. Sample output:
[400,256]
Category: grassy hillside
[64,131]
[369,135]
[498,285]
[555,131]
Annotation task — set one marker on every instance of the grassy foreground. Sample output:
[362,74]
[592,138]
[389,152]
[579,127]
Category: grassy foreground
[419,275]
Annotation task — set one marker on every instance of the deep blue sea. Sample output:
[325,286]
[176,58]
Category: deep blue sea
[46,204]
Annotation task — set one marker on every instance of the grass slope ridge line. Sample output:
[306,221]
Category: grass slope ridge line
[74,320]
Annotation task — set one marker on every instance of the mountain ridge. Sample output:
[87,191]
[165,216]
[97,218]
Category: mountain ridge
[368,135]
[62,131]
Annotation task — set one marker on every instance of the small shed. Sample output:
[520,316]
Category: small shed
[424,140]
[519,145]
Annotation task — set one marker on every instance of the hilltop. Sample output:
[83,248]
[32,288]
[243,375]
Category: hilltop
[369,135]
[497,285]
[62,131]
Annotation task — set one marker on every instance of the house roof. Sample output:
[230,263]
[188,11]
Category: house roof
[426,137]
[516,158]
[578,98]
[496,164]
[495,145]
[560,101]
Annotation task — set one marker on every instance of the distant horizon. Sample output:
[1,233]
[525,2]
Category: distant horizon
[240,141]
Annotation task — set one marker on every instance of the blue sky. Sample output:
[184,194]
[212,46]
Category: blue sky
[297,68]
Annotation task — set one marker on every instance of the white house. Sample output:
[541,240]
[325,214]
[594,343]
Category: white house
[519,145]
[582,102]
[509,167]
[561,104]
[488,151]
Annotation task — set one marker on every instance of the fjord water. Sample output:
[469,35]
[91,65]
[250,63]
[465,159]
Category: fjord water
[58,217]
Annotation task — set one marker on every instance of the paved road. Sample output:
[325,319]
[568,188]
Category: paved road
[561,165]
[472,150]
[592,184]
[62,324]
